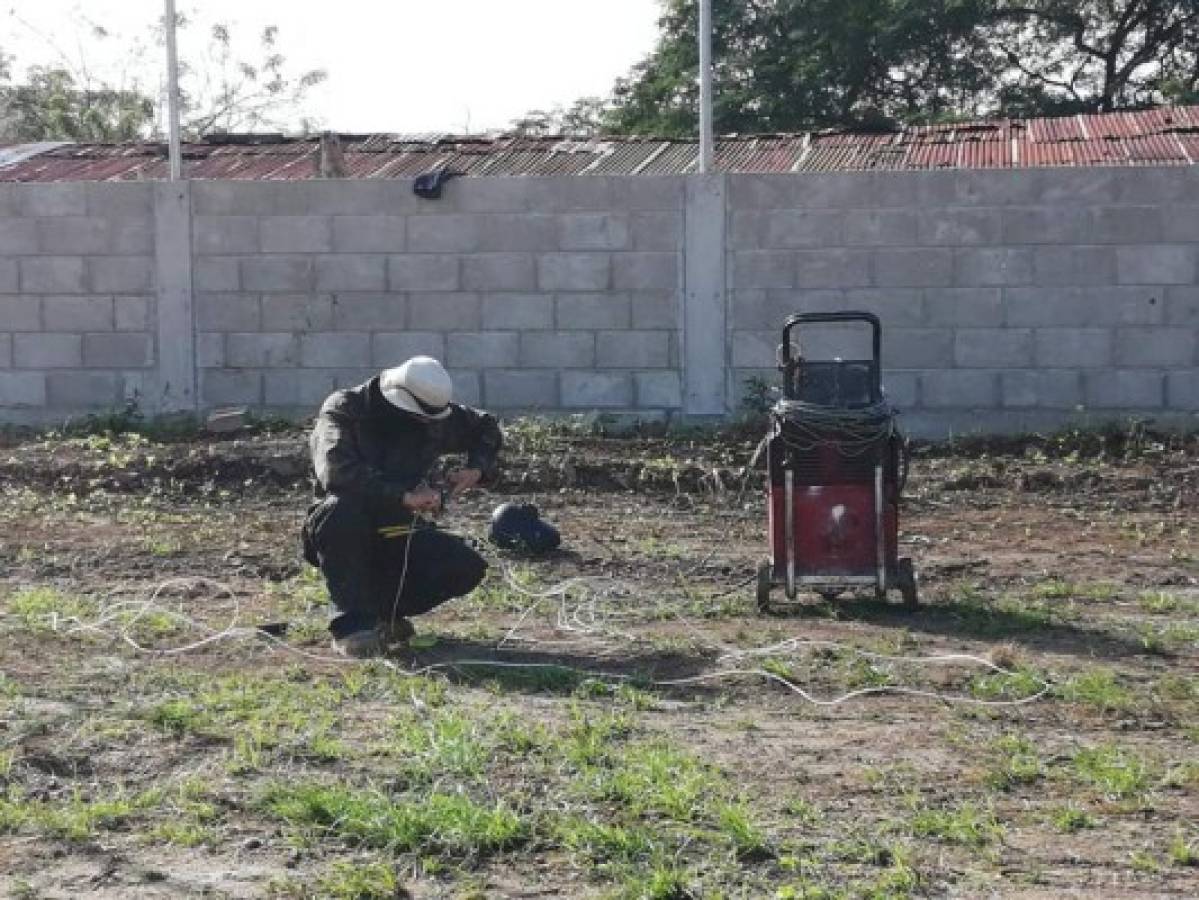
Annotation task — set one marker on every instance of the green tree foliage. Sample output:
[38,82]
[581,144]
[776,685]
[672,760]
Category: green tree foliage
[49,106]
[784,65]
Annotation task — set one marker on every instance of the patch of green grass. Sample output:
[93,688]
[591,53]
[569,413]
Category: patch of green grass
[182,834]
[361,881]
[1165,603]
[1143,861]
[1119,773]
[966,824]
[656,778]
[1015,762]
[1069,819]
[602,842]
[1182,852]
[748,839]
[77,819]
[1015,685]
[1070,590]
[442,743]
[44,609]
[437,823]
[1099,688]
[804,811]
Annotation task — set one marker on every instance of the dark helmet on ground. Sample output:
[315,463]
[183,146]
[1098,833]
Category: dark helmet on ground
[519,526]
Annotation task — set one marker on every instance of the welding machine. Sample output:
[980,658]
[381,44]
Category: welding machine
[837,464]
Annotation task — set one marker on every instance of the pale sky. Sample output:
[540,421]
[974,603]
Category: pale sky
[394,65]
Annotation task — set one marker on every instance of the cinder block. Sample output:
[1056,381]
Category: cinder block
[1182,306]
[753,309]
[1128,225]
[747,229]
[354,377]
[998,348]
[299,312]
[520,312]
[444,312]
[19,237]
[391,349]
[593,231]
[993,267]
[1164,264]
[520,390]
[927,268]
[1043,389]
[215,274]
[645,271]
[10,200]
[73,234]
[1130,305]
[84,390]
[276,273]
[68,198]
[899,189]
[121,274]
[334,351]
[648,192]
[129,200]
[227,312]
[296,387]
[443,234]
[509,233]
[370,312]
[482,194]
[20,314]
[52,275]
[570,193]
[655,309]
[132,313]
[1069,266]
[594,311]
[656,231]
[131,237]
[800,228]
[10,279]
[901,308]
[78,313]
[1141,185]
[1155,347]
[754,349]
[880,227]
[557,350]
[423,272]
[468,388]
[596,390]
[210,350]
[368,234]
[914,348]
[499,272]
[351,272]
[633,349]
[1074,348]
[1182,390]
[295,234]
[219,387]
[902,389]
[765,191]
[22,389]
[970,307]
[659,390]
[1080,306]
[221,235]
[1180,225]
[1045,225]
[5,351]
[483,350]
[832,268]
[1123,389]
[362,197]
[268,350]
[959,227]
[573,271]
[948,389]
[47,351]
[763,269]
[120,350]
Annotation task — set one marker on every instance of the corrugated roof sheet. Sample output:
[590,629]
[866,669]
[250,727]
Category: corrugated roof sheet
[1156,137]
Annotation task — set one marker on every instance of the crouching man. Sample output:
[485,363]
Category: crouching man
[372,450]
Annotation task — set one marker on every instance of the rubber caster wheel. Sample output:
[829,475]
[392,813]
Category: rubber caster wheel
[908,584]
[765,583]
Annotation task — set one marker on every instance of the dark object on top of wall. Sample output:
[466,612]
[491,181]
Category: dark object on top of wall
[429,184]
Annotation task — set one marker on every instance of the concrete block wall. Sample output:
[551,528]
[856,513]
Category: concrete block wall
[539,294]
[1009,299]
[77,298]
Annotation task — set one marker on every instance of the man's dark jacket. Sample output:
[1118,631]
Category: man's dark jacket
[362,445]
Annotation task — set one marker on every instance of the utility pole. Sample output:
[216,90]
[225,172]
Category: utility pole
[173,149]
[705,87]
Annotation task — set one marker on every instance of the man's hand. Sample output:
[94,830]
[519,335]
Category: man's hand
[462,480]
[422,499]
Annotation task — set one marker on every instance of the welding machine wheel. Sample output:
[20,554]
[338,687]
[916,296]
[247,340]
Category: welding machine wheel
[906,581]
[765,574]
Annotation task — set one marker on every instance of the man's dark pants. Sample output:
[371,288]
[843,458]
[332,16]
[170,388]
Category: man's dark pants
[374,578]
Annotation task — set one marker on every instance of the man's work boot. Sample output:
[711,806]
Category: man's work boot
[361,644]
[398,631]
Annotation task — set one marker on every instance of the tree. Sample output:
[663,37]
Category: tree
[50,107]
[584,118]
[786,65]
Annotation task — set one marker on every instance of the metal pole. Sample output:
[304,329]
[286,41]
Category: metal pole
[176,156]
[705,86]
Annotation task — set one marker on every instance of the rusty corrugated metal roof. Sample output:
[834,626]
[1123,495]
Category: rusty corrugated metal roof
[1156,137]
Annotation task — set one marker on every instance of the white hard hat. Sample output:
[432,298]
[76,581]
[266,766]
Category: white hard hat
[420,386]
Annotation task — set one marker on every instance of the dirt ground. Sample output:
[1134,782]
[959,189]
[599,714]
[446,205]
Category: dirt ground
[616,719]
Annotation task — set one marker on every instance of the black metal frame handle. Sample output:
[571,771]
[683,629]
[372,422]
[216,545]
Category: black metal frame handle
[788,363]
